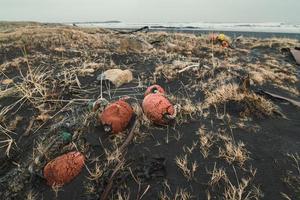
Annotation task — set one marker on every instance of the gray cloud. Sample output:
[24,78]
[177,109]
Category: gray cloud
[152,10]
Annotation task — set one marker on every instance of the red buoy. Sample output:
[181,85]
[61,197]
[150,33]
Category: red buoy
[157,107]
[154,89]
[116,116]
[64,168]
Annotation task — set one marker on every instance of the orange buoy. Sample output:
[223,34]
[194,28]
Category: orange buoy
[158,108]
[213,37]
[225,44]
[116,116]
[154,89]
[64,168]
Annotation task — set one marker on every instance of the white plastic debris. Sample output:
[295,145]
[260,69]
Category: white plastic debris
[117,76]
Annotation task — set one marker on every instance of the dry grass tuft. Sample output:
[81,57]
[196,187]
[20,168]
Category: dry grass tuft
[187,168]
[234,153]
[31,195]
[206,141]
[244,190]
[181,194]
[217,174]
[252,104]
[96,173]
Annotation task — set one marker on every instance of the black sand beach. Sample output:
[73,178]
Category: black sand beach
[230,140]
[260,35]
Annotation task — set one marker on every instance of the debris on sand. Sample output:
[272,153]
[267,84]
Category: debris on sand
[280,97]
[134,43]
[117,76]
[157,107]
[98,105]
[66,137]
[296,54]
[213,37]
[221,39]
[154,89]
[7,81]
[52,146]
[171,71]
[116,116]
[64,168]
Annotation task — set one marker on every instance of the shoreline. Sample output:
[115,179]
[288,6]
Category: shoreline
[259,35]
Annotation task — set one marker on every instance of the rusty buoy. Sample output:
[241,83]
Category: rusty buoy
[64,168]
[154,89]
[157,107]
[116,116]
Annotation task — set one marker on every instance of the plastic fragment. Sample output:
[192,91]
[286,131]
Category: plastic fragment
[66,136]
[117,76]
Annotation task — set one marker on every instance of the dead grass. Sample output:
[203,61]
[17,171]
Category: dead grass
[206,141]
[234,153]
[31,195]
[188,169]
[96,173]
[240,192]
[217,175]
[253,105]
[292,177]
[180,194]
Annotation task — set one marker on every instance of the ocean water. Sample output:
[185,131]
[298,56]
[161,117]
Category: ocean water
[205,26]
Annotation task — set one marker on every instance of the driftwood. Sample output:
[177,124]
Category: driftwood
[134,31]
[188,67]
[130,136]
[291,101]
[296,54]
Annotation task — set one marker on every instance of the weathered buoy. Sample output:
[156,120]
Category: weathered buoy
[157,107]
[154,89]
[64,168]
[213,37]
[116,116]
[222,39]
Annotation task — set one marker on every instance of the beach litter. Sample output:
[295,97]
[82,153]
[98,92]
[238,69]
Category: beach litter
[157,107]
[280,97]
[64,168]
[221,39]
[133,43]
[53,145]
[296,54]
[154,89]
[117,76]
[98,105]
[66,137]
[7,81]
[171,71]
[116,116]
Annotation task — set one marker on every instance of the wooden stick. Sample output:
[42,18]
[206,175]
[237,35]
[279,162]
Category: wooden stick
[293,102]
[108,187]
[188,67]
[134,31]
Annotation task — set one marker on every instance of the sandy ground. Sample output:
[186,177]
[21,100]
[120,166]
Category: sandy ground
[230,140]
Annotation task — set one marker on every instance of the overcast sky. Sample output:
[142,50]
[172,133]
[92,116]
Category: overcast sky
[152,10]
